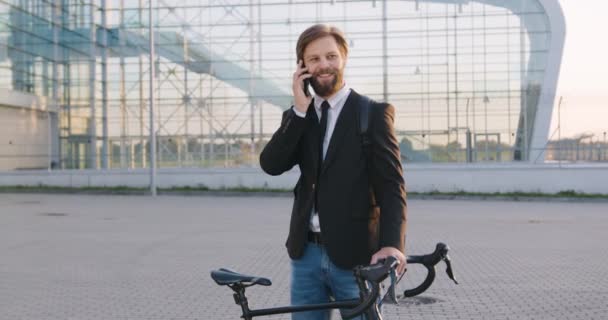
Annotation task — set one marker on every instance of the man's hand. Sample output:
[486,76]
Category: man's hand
[390,251]
[301,101]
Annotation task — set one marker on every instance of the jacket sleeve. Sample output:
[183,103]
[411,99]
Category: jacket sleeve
[281,152]
[387,177]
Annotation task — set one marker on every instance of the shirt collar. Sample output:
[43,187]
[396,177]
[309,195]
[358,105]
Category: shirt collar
[333,100]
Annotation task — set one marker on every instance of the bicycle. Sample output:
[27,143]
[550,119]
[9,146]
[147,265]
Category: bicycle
[368,279]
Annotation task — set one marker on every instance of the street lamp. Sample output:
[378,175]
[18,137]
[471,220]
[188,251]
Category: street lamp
[151,102]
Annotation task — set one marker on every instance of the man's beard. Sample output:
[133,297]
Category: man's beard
[327,89]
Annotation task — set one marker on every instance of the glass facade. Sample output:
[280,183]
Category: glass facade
[465,76]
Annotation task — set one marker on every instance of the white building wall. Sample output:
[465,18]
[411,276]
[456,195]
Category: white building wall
[24,138]
[28,130]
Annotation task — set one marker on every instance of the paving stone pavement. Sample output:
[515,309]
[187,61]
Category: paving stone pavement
[135,257]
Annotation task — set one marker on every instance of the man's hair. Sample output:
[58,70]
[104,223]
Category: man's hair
[320,31]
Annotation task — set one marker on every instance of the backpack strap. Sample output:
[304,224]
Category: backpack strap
[365,107]
[364,110]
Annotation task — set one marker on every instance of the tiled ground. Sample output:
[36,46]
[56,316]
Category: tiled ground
[134,257]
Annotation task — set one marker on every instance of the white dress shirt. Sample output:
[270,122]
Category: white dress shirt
[336,103]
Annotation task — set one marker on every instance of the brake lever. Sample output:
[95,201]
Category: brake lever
[391,296]
[448,270]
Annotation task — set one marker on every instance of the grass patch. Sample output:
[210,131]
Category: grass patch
[515,194]
[132,190]
[228,189]
[58,189]
[242,189]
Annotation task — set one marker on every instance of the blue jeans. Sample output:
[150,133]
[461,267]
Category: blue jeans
[315,279]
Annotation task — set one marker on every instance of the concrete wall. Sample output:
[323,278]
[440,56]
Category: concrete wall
[419,178]
[24,138]
[27,122]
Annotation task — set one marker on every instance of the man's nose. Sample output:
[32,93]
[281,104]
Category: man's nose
[323,63]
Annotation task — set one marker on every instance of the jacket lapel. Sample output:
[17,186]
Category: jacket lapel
[345,122]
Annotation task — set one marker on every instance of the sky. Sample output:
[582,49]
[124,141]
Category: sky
[583,80]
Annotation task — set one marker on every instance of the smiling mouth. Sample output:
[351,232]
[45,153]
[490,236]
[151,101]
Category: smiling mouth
[325,75]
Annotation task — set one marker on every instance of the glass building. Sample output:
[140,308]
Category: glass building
[472,81]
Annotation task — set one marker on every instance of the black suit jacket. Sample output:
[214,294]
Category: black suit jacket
[355,221]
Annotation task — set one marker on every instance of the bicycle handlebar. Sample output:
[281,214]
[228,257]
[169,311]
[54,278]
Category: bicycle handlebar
[375,274]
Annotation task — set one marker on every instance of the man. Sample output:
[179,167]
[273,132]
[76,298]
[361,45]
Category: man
[349,209]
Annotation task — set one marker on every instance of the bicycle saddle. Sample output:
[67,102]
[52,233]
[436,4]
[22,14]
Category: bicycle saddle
[227,277]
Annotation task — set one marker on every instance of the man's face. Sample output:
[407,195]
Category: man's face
[326,64]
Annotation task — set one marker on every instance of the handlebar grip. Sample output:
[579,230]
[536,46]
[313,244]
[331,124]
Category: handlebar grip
[430,277]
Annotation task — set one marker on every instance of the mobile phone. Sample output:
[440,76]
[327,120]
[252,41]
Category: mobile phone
[306,82]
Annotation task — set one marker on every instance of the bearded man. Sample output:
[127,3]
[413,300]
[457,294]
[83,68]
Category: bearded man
[349,208]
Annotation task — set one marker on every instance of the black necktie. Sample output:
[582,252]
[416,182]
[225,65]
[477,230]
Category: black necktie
[323,124]
[323,127]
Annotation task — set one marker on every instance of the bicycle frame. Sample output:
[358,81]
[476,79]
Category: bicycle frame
[368,279]
[248,314]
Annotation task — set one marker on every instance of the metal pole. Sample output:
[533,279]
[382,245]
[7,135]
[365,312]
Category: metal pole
[91,160]
[151,101]
[447,79]
[104,86]
[259,35]
[559,130]
[456,95]
[123,100]
[55,94]
[50,140]
[252,74]
[604,147]
[186,102]
[384,51]
[469,155]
